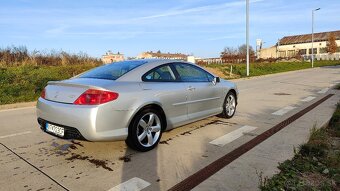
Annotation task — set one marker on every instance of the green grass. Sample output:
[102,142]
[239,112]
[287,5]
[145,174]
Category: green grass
[337,87]
[257,69]
[25,83]
[315,167]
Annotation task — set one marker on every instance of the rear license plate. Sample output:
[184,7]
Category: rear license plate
[55,129]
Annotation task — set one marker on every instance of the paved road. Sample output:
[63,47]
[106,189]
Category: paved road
[78,165]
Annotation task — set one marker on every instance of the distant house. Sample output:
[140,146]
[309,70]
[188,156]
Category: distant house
[159,55]
[291,46]
[204,61]
[110,57]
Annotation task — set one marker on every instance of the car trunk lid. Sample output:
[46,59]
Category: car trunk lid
[68,91]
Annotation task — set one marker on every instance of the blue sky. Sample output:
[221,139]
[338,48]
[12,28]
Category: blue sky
[199,27]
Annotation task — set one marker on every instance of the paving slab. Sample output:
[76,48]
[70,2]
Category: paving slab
[245,172]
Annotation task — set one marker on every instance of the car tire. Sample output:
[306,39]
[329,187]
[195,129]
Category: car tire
[145,130]
[229,106]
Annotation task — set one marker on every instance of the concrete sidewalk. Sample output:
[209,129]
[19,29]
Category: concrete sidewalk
[18,105]
[244,172]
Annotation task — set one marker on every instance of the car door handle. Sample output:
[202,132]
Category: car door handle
[191,88]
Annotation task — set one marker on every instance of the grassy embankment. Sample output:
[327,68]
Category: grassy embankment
[316,166]
[24,74]
[257,69]
[25,83]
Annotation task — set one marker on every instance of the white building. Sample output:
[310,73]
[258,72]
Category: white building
[160,55]
[291,46]
[110,57]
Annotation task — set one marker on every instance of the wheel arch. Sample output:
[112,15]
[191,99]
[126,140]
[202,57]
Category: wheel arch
[152,105]
[235,93]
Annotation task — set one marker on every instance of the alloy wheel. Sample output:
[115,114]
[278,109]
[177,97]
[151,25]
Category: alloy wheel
[149,129]
[230,105]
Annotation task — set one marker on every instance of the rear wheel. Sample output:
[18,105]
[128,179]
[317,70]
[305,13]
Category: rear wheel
[229,105]
[145,130]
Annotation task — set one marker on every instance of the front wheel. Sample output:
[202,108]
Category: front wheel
[229,105]
[145,130]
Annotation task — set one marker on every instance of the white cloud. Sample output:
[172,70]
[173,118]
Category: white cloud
[58,30]
[198,9]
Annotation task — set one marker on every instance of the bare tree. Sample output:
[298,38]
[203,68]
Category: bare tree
[237,55]
[228,51]
[242,50]
[331,44]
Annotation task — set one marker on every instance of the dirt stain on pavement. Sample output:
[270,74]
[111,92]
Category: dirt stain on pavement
[165,141]
[77,143]
[126,158]
[76,156]
[98,163]
[214,122]
[220,122]
[64,147]
[194,128]
[281,93]
[61,149]
[187,132]
[67,149]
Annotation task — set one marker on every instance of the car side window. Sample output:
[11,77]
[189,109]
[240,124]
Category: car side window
[190,73]
[160,74]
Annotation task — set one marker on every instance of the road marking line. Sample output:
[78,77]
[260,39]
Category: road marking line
[307,99]
[323,91]
[134,184]
[230,137]
[16,134]
[283,110]
[15,109]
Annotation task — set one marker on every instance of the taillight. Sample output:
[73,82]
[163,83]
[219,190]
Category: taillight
[95,97]
[43,94]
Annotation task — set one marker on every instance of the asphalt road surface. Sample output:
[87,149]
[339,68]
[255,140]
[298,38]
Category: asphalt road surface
[33,160]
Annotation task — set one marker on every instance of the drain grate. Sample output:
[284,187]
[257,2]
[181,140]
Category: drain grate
[203,174]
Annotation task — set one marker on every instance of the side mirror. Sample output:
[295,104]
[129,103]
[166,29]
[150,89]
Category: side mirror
[216,80]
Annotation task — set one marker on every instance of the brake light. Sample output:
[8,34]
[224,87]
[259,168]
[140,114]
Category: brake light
[43,94]
[95,97]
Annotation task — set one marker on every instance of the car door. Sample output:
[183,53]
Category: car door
[204,96]
[163,83]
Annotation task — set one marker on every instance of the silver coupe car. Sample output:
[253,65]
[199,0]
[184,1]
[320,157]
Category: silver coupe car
[133,101]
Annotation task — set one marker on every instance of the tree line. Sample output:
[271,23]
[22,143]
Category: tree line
[19,55]
[237,55]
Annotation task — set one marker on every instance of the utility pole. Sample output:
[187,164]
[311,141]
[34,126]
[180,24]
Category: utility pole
[247,34]
[313,35]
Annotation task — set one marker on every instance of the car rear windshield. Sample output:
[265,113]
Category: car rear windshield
[112,71]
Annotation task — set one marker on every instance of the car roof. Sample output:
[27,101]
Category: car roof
[136,74]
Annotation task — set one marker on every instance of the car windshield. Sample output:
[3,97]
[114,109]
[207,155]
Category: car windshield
[112,71]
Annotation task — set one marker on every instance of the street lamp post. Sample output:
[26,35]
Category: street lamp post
[313,35]
[247,34]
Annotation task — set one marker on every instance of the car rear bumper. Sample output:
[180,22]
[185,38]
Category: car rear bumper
[70,132]
[92,123]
